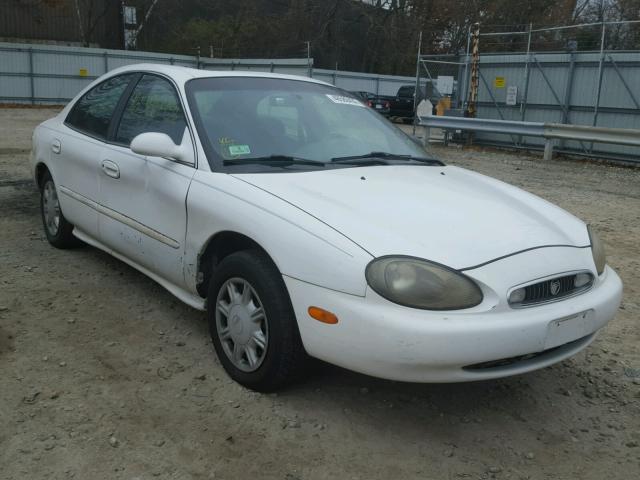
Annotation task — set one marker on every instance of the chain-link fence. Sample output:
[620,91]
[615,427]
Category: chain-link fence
[571,74]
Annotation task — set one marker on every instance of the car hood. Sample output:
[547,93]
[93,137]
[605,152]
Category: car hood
[441,213]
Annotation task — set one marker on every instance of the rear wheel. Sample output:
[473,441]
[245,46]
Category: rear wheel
[57,229]
[252,324]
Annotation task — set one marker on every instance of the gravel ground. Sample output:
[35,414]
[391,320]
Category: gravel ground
[104,375]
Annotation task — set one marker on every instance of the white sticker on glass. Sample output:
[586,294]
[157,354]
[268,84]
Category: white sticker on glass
[341,99]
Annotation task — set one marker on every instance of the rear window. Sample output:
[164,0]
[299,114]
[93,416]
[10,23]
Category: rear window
[406,91]
[92,113]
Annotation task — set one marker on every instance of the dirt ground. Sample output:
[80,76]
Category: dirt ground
[104,375]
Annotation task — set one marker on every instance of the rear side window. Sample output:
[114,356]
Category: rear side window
[92,113]
[153,106]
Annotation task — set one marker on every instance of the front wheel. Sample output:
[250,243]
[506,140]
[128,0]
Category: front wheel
[57,229]
[252,324]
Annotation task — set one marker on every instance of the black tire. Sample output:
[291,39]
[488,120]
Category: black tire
[60,235]
[284,357]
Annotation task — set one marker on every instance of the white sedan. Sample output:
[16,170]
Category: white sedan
[305,224]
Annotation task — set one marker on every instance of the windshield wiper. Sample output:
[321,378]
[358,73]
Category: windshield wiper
[367,158]
[273,161]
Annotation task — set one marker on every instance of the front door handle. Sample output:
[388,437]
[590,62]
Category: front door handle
[110,168]
[56,146]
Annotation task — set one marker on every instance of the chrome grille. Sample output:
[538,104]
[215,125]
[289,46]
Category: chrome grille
[552,290]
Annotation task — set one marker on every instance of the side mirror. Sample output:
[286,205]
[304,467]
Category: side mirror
[155,144]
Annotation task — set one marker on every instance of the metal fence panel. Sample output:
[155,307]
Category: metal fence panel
[13,61]
[14,87]
[386,85]
[55,74]
[562,88]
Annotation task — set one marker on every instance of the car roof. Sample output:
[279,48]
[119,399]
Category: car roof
[182,74]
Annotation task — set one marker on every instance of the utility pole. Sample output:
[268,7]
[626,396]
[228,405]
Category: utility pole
[475,75]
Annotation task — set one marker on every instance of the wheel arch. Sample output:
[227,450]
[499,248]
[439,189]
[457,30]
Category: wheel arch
[219,246]
[41,169]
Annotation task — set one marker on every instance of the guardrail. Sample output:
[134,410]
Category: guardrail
[548,131]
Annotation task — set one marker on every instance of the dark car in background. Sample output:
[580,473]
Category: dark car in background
[402,106]
[379,103]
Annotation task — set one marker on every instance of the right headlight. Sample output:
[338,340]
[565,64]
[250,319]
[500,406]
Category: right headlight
[417,283]
[597,250]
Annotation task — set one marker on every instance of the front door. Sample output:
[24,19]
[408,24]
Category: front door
[144,213]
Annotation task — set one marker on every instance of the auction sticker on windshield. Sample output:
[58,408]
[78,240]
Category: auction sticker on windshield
[345,100]
[239,150]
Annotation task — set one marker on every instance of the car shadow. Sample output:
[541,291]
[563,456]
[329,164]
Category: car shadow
[539,401]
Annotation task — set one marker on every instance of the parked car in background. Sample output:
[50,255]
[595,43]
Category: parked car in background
[306,224]
[380,104]
[402,106]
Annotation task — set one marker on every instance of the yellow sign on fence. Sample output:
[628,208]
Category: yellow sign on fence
[84,72]
[499,82]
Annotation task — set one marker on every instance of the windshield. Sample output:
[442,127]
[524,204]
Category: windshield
[244,118]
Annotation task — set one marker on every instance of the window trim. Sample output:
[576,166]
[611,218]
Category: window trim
[114,122]
[66,122]
[117,117]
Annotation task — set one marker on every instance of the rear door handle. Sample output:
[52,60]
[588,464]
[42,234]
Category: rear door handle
[56,146]
[110,168]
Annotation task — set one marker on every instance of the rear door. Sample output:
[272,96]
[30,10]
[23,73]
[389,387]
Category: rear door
[76,149]
[145,216]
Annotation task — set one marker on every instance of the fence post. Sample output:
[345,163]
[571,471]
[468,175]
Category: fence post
[600,71]
[568,90]
[427,135]
[569,87]
[465,91]
[548,149]
[106,61]
[596,107]
[32,91]
[458,99]
[416,91]
[523,105]
[377,85]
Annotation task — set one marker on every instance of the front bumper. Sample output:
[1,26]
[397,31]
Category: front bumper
[379,338]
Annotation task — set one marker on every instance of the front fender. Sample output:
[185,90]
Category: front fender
[301,246]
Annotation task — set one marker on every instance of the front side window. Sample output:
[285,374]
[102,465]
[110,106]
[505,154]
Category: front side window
[92,113]
[244,118]
[153,106]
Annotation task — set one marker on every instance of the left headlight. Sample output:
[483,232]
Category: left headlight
[597,250]
[417,283]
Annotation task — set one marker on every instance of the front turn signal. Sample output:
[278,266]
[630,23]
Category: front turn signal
[322,315]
